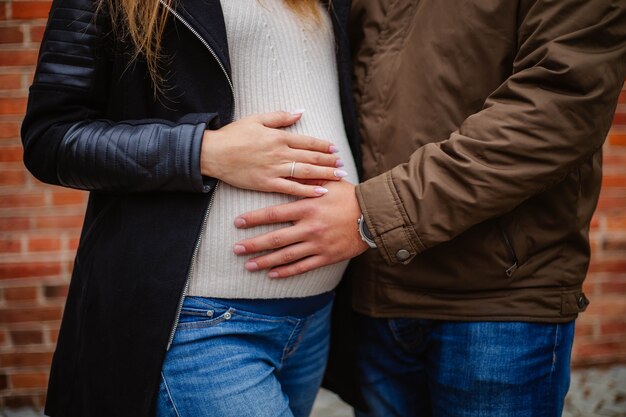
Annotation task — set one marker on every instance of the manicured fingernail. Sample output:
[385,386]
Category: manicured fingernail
[333,149]
[320,190]
[239,222]
[297,112]
[239,249]
[339,173]
[273,275]
[251,266]
[339,163]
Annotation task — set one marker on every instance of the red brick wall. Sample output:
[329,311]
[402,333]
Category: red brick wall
[39,227]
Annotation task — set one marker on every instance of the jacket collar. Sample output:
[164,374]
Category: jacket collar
[206,18]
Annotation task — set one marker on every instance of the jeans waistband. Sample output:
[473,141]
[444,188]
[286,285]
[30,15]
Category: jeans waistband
[294,307]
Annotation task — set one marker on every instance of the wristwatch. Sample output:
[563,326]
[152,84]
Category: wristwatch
[365,233]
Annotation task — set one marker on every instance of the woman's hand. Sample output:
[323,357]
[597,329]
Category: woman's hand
[256,154]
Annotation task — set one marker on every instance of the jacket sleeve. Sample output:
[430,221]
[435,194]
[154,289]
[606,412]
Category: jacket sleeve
[550,115]
[66,139]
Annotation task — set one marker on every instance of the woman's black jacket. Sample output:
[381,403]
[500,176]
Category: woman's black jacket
[92,123]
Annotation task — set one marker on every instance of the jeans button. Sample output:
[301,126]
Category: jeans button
[227,315]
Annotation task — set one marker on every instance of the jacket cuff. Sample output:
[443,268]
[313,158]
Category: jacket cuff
[386,218]
[203,122]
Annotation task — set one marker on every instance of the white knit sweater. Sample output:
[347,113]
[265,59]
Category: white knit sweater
[280,61]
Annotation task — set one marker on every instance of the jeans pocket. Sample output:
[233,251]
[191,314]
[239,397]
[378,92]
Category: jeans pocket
[165,406]
[193,316]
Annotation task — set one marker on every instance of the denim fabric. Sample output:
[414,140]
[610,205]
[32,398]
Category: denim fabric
[227,362]
[411,368]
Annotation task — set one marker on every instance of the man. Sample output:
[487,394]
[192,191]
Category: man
[482,124]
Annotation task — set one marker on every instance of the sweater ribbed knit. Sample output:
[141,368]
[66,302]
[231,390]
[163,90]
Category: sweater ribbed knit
[280,61]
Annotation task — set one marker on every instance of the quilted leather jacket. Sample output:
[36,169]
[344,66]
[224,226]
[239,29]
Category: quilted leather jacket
[93,123]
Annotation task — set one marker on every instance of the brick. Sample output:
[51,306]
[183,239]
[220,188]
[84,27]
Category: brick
[73,243]
[4,382]
[606,306]
[55,291]
[23,359]
[11,154]
[615,160]
[44,244]
[31,9]
[14,223]
[584,329]
[22,200]
[614,287]
[8,178]
[21,293]
[609,328]
[599,349]
[616,139]
[29,380]
[616,181]
[20,57]
[4,338]
[11,34]
[616,265]
[36,33]
[20,401]
[9,245]
[68,197]
[10,81]
[611,202]
[9,130]
[15,106]
[619,119]
[622,98]
[30,314]
[3,10]
[28,269]
[617,220]
[59,222]
[615,244]
[27,337]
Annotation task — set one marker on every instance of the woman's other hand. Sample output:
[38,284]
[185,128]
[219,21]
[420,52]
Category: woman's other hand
[256,154]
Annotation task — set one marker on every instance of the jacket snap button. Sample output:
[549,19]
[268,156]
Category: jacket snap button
[227,315]
[581,302]
[403,255]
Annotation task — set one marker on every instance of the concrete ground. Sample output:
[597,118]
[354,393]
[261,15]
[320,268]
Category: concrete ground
[593,393]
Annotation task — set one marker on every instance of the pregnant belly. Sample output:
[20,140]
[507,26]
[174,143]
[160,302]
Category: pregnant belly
[218,272]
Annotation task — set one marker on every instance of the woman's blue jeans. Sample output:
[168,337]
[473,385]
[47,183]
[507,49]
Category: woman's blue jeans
[425,368]
[226,362]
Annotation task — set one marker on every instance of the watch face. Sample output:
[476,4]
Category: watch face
[366,231]
[366,236]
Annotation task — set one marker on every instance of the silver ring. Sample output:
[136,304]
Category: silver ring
[293,169]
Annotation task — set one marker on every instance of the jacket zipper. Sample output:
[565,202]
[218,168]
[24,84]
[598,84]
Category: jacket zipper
[208,209]
[510,270]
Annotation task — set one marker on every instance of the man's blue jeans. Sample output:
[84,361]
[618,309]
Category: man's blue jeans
[226,362]
[419,368]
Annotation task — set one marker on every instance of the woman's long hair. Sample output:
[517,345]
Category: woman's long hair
[143,23]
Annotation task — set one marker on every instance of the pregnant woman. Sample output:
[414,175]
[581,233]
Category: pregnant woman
[166,111]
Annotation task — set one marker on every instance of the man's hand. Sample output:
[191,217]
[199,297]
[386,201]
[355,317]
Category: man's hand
[324,232]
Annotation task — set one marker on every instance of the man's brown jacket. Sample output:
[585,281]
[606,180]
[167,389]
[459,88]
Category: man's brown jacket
[482,124]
